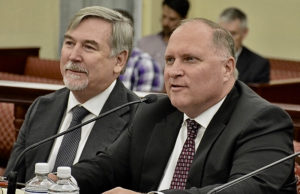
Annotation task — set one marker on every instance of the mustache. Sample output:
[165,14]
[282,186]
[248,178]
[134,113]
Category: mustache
[75,67]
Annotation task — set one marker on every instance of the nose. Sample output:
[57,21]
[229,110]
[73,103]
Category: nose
[75,54]
[165,21]
[174,70]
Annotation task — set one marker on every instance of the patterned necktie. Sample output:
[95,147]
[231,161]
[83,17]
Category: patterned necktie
[69,145]
[186,157]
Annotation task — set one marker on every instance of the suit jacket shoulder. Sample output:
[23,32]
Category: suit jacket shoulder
[254,134]
[252,67]
[41,121]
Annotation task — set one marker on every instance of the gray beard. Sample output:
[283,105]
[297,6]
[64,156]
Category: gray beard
[75,85]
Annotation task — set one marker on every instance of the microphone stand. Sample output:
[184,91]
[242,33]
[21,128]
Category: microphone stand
[12,176]
[251,174]
[12,182]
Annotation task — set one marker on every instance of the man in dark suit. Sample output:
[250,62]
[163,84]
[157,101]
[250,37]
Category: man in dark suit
[94,52]
[252,67]
[210,129]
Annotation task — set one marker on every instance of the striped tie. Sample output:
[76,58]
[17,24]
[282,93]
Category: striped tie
[68,148]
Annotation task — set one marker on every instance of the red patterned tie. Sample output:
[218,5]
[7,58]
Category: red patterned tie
[186,157]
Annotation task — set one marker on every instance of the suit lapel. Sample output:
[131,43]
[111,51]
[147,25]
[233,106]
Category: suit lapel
[47,121]
[159,149]
[107,129]
[213,131]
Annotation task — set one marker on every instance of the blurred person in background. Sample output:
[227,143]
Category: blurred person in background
[142,72]
[173,11]
[252,67]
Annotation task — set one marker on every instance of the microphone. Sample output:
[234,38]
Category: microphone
[251,174]
[150,98]
[12,177]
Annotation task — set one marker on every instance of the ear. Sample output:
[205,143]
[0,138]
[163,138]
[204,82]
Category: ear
[229,69]
[121,60]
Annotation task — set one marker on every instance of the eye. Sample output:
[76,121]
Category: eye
[173,19]
[189,59]
[69,43]
[169,60]
[233,33]
[89,47]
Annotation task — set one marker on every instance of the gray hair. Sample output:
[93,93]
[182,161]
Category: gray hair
[122,29]
[230,14]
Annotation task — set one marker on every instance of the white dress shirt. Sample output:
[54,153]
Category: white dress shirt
[94,106]
[204,120]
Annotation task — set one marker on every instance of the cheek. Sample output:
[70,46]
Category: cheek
[166,74]
[238,39]
[204,79]
[63,62]
[100,68]
[63,59]
[166,79]
[62,67]
[65,52]
[174,24]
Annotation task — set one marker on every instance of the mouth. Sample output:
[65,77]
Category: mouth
[75,69]
[176,87]
[75,73]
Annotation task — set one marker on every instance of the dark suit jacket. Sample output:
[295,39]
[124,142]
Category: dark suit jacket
[252,67]
[44,118]
[245,134]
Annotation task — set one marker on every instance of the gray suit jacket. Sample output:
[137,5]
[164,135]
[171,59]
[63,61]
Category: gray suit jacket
[44,118]
[245,134]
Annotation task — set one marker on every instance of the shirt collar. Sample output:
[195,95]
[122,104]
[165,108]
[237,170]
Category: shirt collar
[204,118]
[93,105]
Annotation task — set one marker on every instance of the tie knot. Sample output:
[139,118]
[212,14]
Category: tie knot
[79,112]
[192,127]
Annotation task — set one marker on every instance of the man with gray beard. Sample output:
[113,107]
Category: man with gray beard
[94,53]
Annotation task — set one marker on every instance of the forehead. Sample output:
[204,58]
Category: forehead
[190,35]
[92,28]
[233,25]
[169,12]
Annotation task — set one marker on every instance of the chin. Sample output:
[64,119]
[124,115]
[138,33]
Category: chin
[178,102]
[75,85]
